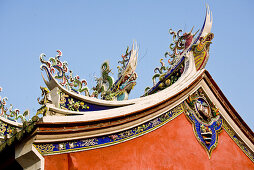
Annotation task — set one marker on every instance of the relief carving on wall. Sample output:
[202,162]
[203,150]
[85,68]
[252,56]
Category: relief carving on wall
[205,119]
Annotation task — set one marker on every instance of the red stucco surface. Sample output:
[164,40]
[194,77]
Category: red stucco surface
[173,146]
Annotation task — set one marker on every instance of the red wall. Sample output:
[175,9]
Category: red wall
[173,146]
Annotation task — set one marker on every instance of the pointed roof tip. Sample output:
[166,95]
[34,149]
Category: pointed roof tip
[45,81]
[208,11]
[134,45]
[207,6]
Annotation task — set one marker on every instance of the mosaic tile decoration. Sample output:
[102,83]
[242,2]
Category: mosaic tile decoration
[112,139]
[69,103]
[205,119]
[209,137]
[6,129]
[238,140]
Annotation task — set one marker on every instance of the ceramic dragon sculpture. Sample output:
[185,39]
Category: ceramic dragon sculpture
[120,89]
[183,45]
[106,88]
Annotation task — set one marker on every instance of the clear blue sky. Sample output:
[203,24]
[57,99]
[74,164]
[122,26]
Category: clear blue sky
[89,32]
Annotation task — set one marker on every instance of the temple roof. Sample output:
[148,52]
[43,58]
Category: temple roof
[76,117]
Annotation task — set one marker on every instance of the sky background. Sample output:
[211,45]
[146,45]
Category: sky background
[90,32]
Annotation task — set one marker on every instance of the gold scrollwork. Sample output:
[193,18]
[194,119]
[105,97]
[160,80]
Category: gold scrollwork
[44,148]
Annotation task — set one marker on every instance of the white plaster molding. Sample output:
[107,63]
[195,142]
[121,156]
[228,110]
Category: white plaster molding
[17,124]
[111,130]
[55,97]
[28,157]
[106,131]
[140,103]
[188,73]
[226,116]
[90,99]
